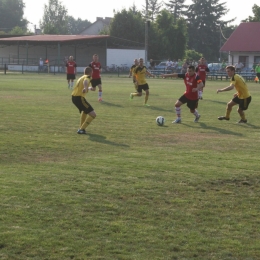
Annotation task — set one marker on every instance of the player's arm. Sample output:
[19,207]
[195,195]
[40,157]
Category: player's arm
[175,75]
[85,84]
[200,85]
[226,88]
[148,73]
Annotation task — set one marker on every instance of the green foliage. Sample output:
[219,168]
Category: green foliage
[128,25]
[11,15]
[204,19]
[153,8]
[77,26]
[129,189]
[192,55]
[256,12]
[55,18]
[18,31]
[177,8]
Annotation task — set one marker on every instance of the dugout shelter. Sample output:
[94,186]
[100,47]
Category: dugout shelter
[27,50]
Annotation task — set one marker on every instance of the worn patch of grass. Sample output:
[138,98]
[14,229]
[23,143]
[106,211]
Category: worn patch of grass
[129,189]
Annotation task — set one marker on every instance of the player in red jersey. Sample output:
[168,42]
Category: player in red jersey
[71,72]
[96,79]
[193,84]
[202,70]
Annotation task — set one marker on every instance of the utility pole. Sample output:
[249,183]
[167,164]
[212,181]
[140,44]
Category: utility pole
[146,33]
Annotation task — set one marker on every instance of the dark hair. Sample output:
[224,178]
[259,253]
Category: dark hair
[231,67]
[191,67]
[87,71]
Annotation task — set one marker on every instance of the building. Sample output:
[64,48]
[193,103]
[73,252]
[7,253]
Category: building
[244,45]
[96,27]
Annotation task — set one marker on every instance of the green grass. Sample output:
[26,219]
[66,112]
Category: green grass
[129,189]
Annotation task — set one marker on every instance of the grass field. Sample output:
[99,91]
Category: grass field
[129,189]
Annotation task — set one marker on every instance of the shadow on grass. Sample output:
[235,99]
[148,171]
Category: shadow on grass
[102,139]
[159,109]
[110,104]
[217,129]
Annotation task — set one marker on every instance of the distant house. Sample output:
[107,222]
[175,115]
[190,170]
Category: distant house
[244,44]
[96,27]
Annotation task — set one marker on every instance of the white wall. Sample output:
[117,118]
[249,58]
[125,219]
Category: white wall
[123,56]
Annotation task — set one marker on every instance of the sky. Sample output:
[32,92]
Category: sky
[89,10]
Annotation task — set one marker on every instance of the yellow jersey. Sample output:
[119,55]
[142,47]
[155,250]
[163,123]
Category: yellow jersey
[241,87]
[77,91]
[140,73]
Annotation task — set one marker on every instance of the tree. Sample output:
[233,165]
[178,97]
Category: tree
[153,8]
[256,12]
[12,15]
[18,31]
[204,21]
[172,37]
[55,18]
[77,26]
[176,7]
[128,25]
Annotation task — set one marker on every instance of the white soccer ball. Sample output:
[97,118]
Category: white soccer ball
[160,120]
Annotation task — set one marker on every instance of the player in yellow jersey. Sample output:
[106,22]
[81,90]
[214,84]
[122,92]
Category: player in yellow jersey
[139,74]
[136,63]
[87,113]
[241,98]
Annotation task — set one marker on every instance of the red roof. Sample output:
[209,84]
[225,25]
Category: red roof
[245,38]
[53,38]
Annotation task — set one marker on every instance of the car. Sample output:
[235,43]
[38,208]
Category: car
[214,67]
[161,66]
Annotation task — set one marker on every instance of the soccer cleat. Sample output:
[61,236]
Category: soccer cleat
[131,96]
[241,121]
[223,118]
[200,98]
[196,120]
[100,100]
[82,131]
[177,120]
[146,105]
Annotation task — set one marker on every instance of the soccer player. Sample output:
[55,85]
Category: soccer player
[202,70]
[193,85]
[71,72]
[139,74]
[96,79]
[241,98]
[87,113]
[136,63]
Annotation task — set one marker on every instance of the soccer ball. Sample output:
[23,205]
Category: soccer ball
[160,120]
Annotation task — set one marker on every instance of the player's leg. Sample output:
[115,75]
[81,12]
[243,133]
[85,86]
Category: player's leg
[201,90]
[177,106]
[146,89]
[193,105]
[136,94]
[230,104]
[243,105]
[100,92]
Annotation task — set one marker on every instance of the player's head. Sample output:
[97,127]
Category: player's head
[88,71]
[191,70]
[136,62]
[202,60]
[95,57]
[141,61]
[71,58]
[231,70]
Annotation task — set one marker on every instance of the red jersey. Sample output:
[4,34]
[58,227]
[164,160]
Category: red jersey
[71,67]
[202,70]
[190,83]
[96,67]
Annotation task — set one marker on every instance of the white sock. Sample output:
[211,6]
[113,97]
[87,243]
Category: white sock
[71,84]
[200,93]
[196,114]
[99,94]
[178,111]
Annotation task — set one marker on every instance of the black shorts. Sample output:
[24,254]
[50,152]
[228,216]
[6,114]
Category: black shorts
[71,76]
[82,104]
[96,82]
[243,103]
[142,87]
[191,104]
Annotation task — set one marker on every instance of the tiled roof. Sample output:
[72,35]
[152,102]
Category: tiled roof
[245,38]
[52,38]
